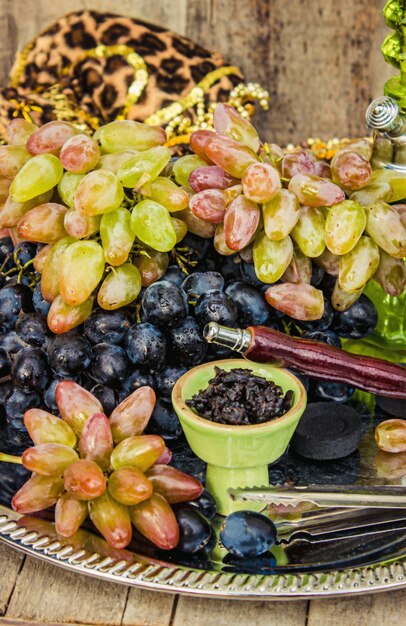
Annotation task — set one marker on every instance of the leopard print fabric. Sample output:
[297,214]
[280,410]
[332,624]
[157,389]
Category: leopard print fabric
[100,85]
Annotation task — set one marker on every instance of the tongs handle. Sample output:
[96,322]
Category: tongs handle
[352,496]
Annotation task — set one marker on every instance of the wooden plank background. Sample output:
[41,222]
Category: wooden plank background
[320,59]
[321,62]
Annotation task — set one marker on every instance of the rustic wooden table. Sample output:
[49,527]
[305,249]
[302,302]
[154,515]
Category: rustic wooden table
[321,62]
[32,593]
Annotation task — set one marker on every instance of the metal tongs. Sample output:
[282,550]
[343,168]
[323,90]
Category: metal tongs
[343,511]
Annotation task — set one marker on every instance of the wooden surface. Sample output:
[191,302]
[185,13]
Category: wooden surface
[320,59]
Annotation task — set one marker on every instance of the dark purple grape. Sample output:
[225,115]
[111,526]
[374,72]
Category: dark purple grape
[317,275]
[199,283]
[251,304]
[358,322]
[69,353]
[5,363]
[18,402]
[166,378]
[30,370]
[164,304]
[324,336]
[5,389]
[164,422]
[106,326]
[189,347]
[108,397]
[134,381]
[6,254]
[25,252]
[229,267]
[109,365]
[247,534]
[14,299]
[12,477]
[174,275]
[249,276]
[197,246]
[194,529]
[146,346]
[41,306]
[216,306]
[12,343]
[332,391]
[33,329]
[205,504]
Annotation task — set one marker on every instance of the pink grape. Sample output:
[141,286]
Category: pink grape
[219,241]
[63,317]
[196,225]
[155,519]
[79,154]
[298,162]
[129,486]
[50,137]
[112,520]
[231,156]
[37,494]
[44,223]
[76,404]
[12,159]
[84,480]
[198,143]
[240,223]
[18,131]
[175,486]
[300,301]
[69,515]
[132,415]
[48,459]
[151,267]
[142,452]
[351,170]
[79,225]
[228,121]
[314,191]
[96,441]
[209,205]
[261,182]
[44,427]
[210,177]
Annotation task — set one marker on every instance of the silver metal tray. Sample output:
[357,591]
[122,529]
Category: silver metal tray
[298,571]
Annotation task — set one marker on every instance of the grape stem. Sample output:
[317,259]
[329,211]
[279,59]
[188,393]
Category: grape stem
[10,458]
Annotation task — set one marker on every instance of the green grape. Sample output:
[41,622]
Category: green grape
[96,441]
[228,121]
[308,231]
[80,271]
[167,193]
[151,266]
[132,415]
[76,404]
[280,214]
[141,452]
[79,225]
[18,131]
[50,272]
[371,193]
[397,180]
[299,269]
[358,265]
[69,515]
[43,223]
[345,224]
[5,184]
[362,146]
[117,236]
[196,225]
[385,226]
[122,135]
[391,274]
[301,301]
[341,300]
[112,520]
[180,229]
[37,494]
[155,519]
[44,427]
[271,258]
[84,480]
[183,167]
[152,224]
[115,160]
[120,287]
[12,159]
[63,317]
[328,261]
[98,192]
[48,459]
[38,175]
[11,212]
[129,486]
[144,167]
[67,188]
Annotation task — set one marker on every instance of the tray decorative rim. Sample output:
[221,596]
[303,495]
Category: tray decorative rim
[147,573]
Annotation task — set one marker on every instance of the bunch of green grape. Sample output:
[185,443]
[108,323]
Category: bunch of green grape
[110,208]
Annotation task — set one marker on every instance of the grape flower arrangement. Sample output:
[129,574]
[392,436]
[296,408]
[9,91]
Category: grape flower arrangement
[86,464]
[110,208]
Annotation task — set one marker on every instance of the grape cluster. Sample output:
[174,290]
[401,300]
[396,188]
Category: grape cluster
[109,209]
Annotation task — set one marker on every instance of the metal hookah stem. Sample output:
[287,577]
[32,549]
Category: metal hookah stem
[237,339]
[383,114]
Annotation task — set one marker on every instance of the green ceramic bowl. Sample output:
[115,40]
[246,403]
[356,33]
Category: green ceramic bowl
[236,456]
